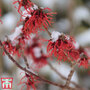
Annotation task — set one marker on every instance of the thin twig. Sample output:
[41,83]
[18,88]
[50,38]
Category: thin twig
[61,76]
[26,62]
[48,32]
[29,72]
[24,69]
[70,76]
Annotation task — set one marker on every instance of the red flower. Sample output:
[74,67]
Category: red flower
[30,82]
[23,3]
[62,47]
[14,50]
[84,62]
[39,58]
[34,17]
[35,51]
[84,58]
[37,20]
[15,42]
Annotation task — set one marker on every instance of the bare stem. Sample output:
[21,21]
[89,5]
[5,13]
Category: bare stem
[70,75]
[29,72]
[24,69]
[26,62]
[48,32]
[61,76]
[68,80]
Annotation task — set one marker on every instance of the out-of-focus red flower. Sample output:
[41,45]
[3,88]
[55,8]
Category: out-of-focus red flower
[84,62]
[35,51]
[84,58]
[13,50]
[63,48]
[29,82]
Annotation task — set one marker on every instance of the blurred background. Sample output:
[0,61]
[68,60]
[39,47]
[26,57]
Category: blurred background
[73,17]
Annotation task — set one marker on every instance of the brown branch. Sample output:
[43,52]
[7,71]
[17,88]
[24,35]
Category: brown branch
[70,75]
[24,69]
[61,76]
[26,62]
[29,72]
[48,32]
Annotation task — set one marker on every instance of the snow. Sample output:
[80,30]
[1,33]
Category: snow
[30,41]
[67,37]
[37,52]
[35,7]
[26,14]
[17,32]
[76,44]
[55,35]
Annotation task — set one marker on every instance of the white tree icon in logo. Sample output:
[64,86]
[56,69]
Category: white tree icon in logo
[6,83]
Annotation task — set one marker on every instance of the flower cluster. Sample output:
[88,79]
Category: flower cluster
[30,81]
[61,46]
[14,42]
[23,3]
[34,49]
[25,40]
[65,48]
[35,18]
[84,58]
[38,19]
[13,50]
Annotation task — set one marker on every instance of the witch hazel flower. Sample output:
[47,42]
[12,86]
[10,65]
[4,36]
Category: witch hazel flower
[30,81]
[35,51]
[13,50]
[62,47]
[36,19]
[84,58]
[12,44]
[27,12]
[23,3]
[39,57]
